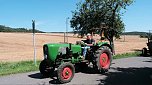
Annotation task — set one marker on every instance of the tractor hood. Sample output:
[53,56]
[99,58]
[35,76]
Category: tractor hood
[54,49]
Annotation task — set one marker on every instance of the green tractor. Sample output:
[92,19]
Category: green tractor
[65,57]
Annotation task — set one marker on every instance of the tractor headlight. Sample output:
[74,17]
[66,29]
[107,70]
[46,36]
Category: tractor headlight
[45,51]
[45,56]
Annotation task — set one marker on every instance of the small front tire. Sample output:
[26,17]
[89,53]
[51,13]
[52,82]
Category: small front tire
[65,72]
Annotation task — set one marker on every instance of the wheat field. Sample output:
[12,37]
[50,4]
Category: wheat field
[19,46]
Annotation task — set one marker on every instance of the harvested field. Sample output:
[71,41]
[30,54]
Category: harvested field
[19,46]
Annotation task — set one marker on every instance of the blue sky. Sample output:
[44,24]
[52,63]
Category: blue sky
[50,15]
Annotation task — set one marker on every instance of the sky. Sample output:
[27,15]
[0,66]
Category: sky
[50,15]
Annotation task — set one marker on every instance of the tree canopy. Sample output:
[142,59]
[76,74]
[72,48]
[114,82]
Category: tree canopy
[91,14]
[100,15]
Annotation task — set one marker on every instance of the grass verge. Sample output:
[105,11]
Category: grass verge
[17,67]
[28,66]
[126,55]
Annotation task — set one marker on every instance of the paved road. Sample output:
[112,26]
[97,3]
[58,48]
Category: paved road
[128,71]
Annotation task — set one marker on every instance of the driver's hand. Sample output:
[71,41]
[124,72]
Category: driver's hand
[85,43]
[82,42]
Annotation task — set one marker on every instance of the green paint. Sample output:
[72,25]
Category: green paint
[53,49]
[101,43]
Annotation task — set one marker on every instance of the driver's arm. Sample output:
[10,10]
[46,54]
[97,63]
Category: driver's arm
[93,42]
[89,44]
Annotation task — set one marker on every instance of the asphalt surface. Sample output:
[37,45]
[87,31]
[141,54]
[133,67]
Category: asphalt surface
[127,71]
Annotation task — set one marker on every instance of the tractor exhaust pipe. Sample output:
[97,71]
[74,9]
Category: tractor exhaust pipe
[70,46]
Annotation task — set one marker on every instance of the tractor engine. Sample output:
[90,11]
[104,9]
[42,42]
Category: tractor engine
[53,51]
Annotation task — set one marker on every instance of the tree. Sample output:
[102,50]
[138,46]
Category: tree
[91,14]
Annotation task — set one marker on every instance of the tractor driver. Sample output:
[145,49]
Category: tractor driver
[88,42]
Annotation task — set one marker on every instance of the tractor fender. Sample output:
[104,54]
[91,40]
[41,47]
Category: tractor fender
[108,46]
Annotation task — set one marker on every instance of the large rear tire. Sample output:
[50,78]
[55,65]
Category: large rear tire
[104,59]
[45,69]
[65,72]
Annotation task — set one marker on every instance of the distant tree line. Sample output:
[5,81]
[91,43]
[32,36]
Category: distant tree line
[134,33]
[9,29]
[141,34]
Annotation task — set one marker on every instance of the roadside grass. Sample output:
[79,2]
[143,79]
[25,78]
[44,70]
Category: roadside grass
[28,66]
[17,67]
[127,55]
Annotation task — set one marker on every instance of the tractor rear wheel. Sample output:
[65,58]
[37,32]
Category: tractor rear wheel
[144,51]
[104,59]
[45,69]
[65,72]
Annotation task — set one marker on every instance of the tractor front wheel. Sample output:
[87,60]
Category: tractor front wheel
[45,69]
[65,72]
[104,59]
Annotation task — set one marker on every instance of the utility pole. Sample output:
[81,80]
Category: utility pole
[33,26]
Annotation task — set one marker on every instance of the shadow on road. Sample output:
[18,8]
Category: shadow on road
[128,76]
[88,70]
[53,79]
[36,76]
[148,61]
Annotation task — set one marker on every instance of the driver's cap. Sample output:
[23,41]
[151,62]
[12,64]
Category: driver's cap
[88,34]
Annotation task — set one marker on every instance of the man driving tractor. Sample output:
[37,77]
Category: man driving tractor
[88,42]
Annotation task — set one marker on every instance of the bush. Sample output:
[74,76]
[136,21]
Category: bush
[144,36]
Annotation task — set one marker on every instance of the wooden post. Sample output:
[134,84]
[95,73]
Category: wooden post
[33,26]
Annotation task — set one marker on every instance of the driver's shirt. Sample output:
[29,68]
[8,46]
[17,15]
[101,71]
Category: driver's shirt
[89,41]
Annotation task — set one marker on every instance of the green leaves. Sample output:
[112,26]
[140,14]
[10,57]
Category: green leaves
[92,13]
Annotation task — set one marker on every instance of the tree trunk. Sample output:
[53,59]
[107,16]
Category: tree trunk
[112,45]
